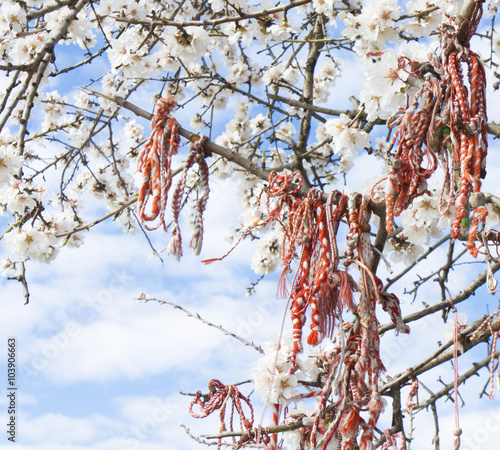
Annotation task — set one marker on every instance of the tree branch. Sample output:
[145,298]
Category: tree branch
[464,295]
[465,376]
[206,322]
[212,22]
[440,356]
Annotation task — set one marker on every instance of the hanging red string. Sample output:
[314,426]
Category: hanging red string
[155,164]
[457,431]
[283,186]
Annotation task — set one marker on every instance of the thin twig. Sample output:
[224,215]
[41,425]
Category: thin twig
[206,322]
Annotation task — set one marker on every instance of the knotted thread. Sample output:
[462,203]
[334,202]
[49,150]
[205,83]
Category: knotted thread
[196,156]
[155,164]
[218,397]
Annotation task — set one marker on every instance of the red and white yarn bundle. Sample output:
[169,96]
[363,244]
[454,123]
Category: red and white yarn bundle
[392,441]
[196,156]
[468,125]
[442,122]
[218,398]
[155,164]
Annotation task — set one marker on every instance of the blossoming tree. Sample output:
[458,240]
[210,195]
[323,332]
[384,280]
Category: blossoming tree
[256,79]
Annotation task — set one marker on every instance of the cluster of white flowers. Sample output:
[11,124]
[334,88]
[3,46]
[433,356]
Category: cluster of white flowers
[260,123]
[134,132]
[385,84]
[239,73]
[422,25]
[492,8]
[19,196]
[32,243]
[10,162]
[327,8]
[267,253]
[324,79]
[346,139]
[493,217]
[421,221]
[280,73]
[12,17]
[54,109]
[449,6]
[271,377]
[375,26]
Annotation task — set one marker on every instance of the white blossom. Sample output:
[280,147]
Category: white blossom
[385,84]
[259,123]
[217,5]
[54,109]
[280,72]
[271,377]
[346,138]
[239,73]
[267,253]
[134,132]
[400,250]
[12,17]
[423,24]
[286,131]
[25,49]
[10,162]
[32,243]
[19,197]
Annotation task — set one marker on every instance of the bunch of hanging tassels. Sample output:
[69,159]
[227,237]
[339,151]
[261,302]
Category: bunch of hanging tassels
[442,123]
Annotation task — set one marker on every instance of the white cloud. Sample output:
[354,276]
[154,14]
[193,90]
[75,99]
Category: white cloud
[58,428]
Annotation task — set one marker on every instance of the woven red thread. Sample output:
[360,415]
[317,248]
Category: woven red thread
[469,140]
[391,441]
[155,164]
[218,397]
[318,282]
[302,230]
[369,363]
[336,286]
[495,335]
[276,420]
[346,424]
[442,122]
[196,156]
[412,400]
